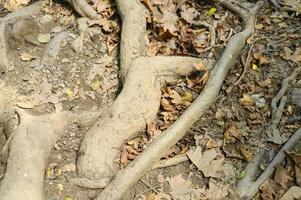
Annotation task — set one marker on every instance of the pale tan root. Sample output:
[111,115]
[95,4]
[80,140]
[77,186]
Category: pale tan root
[126,178]
[136,105]
[29,148]
[33,9]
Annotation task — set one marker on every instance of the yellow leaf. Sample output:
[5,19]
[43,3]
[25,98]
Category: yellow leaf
[69,93]
[60,187]
[254,67]
[246,100]
[95,85]
[211,11]
[187,97]
[44,38]
[68,198]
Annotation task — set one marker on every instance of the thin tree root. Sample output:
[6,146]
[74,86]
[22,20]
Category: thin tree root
[280,99]
[247,187]
[125,179]
[33,9]
[171,161]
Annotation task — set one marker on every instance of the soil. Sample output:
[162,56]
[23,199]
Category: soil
[81,81]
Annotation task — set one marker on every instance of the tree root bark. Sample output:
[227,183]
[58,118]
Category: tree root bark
[52,49]
[33,9]
[125,179]
[247,187]
[277,106]
[28,149]
[136,106]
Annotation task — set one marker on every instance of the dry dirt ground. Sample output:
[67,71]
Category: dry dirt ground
[226,137]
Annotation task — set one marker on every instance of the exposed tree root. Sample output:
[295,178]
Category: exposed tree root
[29,147]
[136,105]
[83,8]
[125,179]
[52,49]
[10,18]
[247,187]
[277,111]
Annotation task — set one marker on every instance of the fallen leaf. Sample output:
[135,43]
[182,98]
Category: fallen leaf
[261,58]
[26,56]
[232,134]
[246,153]
[189,14]
[95,85]
[210,162]
[181,189]
[288,54]
[60,187]
[246,100]
[187,97]
[162,196]
[44,38]
[216,191]
[166,105]
[293,193]
[254,67]
[69,92]
[281,176]
[211,11]
[150,196]
[13,5]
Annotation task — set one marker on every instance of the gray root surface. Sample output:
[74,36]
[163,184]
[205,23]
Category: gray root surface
[33,9]
[247,187]
[126,178]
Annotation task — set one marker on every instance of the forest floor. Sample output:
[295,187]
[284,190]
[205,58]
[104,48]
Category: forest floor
[85,77]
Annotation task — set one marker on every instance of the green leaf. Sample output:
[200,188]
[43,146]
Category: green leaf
[211,11]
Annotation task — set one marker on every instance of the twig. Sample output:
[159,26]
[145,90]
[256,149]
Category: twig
[247,187]
[246,64]
[171,161]
[278,110]
[283,89]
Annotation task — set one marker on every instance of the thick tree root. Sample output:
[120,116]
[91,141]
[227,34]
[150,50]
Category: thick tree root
[247,187]
[125,179]
[52,49]
[33,9]
[136,105]
[29,147]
